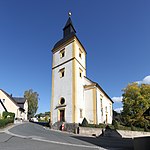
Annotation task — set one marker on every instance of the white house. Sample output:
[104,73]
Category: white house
[74,96]
[17,105]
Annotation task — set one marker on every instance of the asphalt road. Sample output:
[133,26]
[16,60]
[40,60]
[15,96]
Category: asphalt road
[29,136]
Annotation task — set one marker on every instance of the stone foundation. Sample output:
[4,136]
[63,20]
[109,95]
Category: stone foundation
[69,127]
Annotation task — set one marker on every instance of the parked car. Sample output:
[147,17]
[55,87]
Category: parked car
[34,119]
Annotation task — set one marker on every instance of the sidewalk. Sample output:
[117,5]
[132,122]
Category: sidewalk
[9,126]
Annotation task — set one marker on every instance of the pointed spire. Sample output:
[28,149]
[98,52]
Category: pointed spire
[68,29]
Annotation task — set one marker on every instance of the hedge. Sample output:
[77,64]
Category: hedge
[8,114]
[8,117]
[115,125]
[4,122]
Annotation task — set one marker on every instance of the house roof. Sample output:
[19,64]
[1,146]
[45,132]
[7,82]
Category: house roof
[9,96]
[99,87]
[19,101]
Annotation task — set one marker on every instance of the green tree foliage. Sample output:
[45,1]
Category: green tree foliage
[32,98]
[136,100]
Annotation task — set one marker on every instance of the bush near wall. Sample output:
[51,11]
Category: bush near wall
[4,122]
[8,115]
[8,118]
[115,125]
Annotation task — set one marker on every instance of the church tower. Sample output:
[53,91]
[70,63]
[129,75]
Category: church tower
[68,72]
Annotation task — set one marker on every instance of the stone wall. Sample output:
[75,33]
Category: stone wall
[112,133]
[90,131]
[69,127]
[132,134]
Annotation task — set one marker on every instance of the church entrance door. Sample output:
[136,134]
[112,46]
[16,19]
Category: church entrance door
[62,115]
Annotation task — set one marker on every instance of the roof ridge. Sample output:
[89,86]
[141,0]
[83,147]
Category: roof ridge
[10,97]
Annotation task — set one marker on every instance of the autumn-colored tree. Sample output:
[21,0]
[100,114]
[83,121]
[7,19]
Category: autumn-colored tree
[32,98]
[136,100]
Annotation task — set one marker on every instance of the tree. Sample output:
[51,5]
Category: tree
[136,100]
[84,122]
[32,98]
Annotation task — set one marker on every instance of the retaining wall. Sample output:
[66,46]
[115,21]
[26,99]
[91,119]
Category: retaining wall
[113,133]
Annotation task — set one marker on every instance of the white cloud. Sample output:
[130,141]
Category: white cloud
[146,80]
[118,109]
[117,99]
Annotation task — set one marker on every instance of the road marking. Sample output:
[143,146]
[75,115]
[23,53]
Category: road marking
[53,142]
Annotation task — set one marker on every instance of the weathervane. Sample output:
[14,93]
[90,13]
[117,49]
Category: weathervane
[69,13]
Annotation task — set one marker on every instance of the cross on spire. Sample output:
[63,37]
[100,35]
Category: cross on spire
[69,13]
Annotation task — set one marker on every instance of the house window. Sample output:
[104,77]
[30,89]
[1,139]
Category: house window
[62,72]
[80,72]
[81,115]
[62,53]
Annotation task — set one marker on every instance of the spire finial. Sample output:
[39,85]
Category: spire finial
[69,13]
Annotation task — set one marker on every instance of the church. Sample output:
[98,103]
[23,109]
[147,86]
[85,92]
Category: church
[74,96]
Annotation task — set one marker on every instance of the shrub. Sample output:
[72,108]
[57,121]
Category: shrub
[146,128]
[115,124]
[101,125]
[84,123]
[10,114]
[4,122]
[133,128]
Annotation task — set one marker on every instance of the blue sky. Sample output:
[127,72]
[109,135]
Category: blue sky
[116,35]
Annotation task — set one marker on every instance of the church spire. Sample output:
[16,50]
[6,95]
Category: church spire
[69,28]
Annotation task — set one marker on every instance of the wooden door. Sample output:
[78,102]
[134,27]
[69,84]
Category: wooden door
[62,115]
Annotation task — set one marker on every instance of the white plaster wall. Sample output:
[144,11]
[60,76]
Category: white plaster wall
[68,55]
[105,102]
[63,88]
[82,60]
[80,102]
[99,112]
[88,95]
[1,109]
[80,65]
[87,82]
[9,104]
